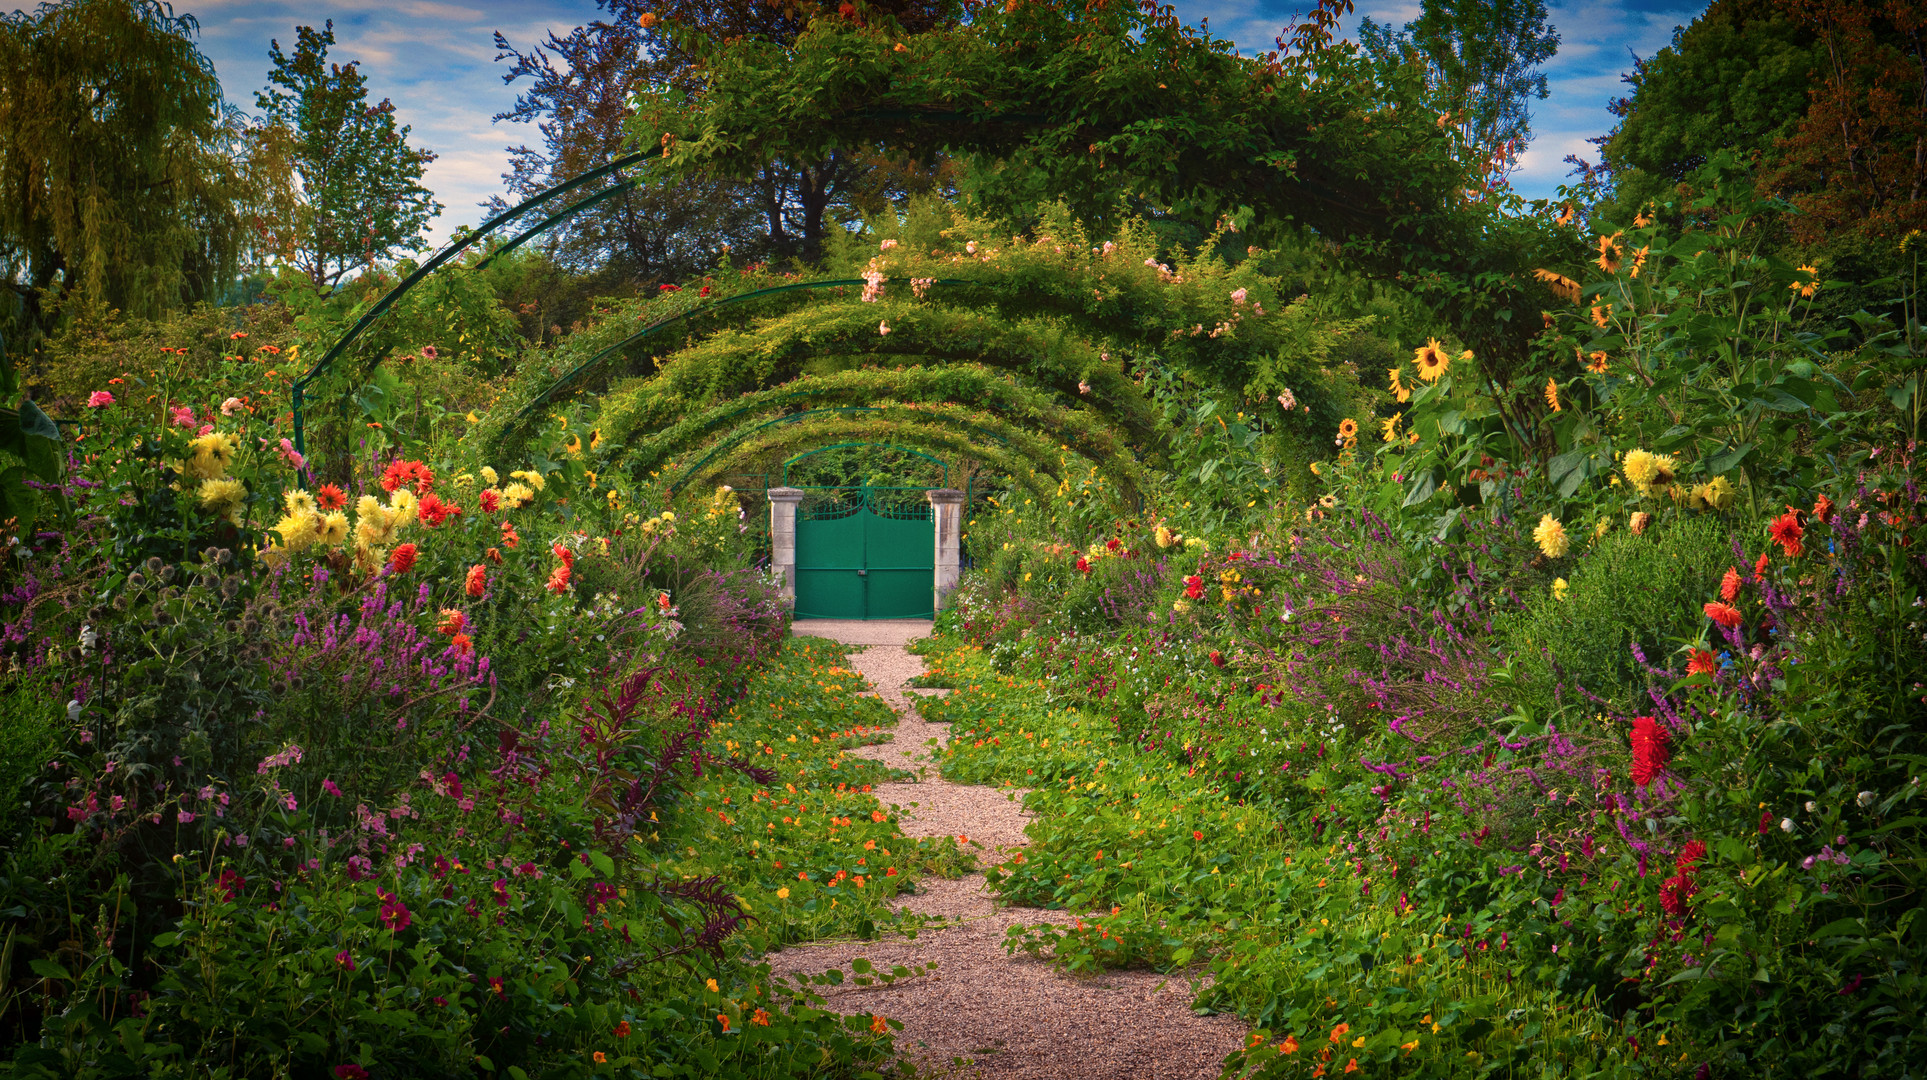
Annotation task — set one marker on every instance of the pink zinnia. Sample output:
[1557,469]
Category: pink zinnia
[99,399]
[183,416]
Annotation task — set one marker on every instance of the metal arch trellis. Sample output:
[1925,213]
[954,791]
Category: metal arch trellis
[568,379]
[739,438]
[449,251]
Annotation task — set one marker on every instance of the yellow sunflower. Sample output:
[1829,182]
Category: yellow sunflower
[1611,251]
[1430,360]
[1348,430]
[1552,395]
[1596,363]
[1389,427]
[1399,389]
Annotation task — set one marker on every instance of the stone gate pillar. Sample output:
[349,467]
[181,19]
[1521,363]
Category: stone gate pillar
[946,507]
[782,538]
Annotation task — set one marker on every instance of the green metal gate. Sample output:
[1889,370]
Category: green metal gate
[865,553]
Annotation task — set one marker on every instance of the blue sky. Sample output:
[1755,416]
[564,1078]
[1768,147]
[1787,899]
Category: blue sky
[435,59]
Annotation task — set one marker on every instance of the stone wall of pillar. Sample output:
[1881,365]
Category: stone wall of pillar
[782,538]
[946,505]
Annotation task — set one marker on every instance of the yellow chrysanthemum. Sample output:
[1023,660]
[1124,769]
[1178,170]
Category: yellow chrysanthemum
[1430,360]
[516,496]
[298,501]
[403,507]
[1648,470]
[297,530]
[465,481]
[531,478]
[1551,537]
[1716,494]
[213,453]
[374,523]
[223,494]
[489,477]
[334,529]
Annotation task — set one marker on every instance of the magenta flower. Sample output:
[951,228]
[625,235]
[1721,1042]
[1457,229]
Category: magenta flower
[329,787]
[183,416]
[350,1071]
[395,915]
[99,399]
[344,961]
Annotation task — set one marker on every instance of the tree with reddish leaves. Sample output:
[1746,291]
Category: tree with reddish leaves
[1857,164]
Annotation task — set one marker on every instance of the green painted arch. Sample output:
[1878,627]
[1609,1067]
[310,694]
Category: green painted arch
[779,440]
[982,388]
[986,432]
[776,351]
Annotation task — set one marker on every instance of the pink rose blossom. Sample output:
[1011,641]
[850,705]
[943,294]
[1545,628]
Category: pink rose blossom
[183,416]
[99,399]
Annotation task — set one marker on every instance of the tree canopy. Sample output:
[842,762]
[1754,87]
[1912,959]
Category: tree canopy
[121,167]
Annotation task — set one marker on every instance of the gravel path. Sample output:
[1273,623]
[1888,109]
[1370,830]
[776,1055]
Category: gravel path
[1005,1016]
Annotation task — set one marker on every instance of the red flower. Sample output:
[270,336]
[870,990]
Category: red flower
[1197,834]
[669,288]
[330,497]
[1822,509]
[510,538]
[453,622]
[1674,894]
[1759,568]
[434,511]
[1217,658]
[477,582]
[1689,856]
[229,883]
[490,499]
[409,473]
[1701,662]
[1649,749]
[1113,544]
[403,560]
[1730,584]
[1786,532]
[1083,565]
[559,579]
[350,1071]
[1194,587]
[1725,614]
[1766,822]
[563,553]
[394,914]
[462,644]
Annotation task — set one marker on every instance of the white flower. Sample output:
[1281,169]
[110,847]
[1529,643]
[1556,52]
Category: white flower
[1865,798]
[1109,247]
[970,248]
[884,328]
[1812,806]
[89,637]
[886,245]
[1786,824]
[73,711]
[231,406]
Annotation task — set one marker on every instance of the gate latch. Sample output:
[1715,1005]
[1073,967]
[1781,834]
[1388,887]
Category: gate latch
[862,573]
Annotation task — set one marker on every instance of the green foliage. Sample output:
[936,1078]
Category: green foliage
[1628,591]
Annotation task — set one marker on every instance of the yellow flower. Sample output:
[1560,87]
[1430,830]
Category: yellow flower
[213,453]
[1561,285]
[1648,470]
[334,529]
[1605,526]
[516,496]
[1610,251]
[1807,288]
[530,477]
[1559,588]
[374,523]
[297,530]
[1399,389]
[221,495]
[472,418]
[1551,536]
[1164,536]
[488,476]
[713,988]
[1431,361]
[298,501]
[1596,363]
[1602,316]
[403,507]
[465,480]
[1552,395]
[1720,493]
[1639,260]
[1348,430]
[574,446]
[1389,427]
[783,893]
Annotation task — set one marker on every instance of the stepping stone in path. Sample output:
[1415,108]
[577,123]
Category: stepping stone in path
[1008,1016]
